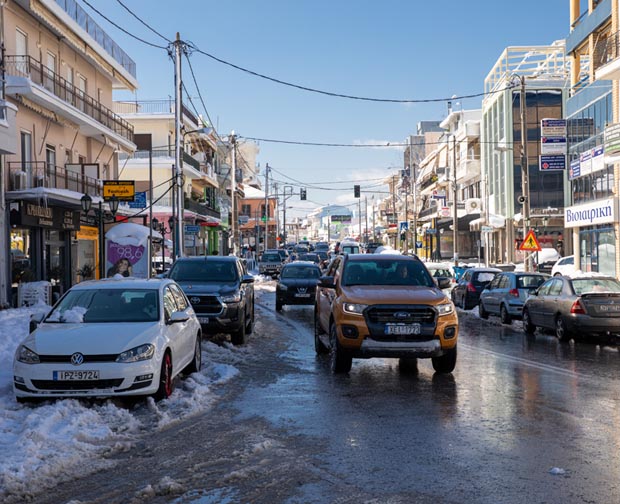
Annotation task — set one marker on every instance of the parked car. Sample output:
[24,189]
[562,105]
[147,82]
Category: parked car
[506,294]
[373,305]
[545,259]
[221,292]
[111,337]
[297,284]
[564,266]
[270,263]
[442,270]
[466,293]
[579,307]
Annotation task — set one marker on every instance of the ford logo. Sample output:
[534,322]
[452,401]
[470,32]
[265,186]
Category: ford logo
[194,300]
[401,315]
[77,359]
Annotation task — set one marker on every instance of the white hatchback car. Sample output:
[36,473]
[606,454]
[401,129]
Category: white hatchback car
[109,338]
[564,266]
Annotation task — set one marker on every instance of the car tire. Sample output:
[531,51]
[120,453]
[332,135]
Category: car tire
[340,361]
[446,363]
[319,347]
[528,327]
[561,332]
[278,305]
[249,328]
[196,363]
[239,337]
[166,384]
[504,316]
[482,312]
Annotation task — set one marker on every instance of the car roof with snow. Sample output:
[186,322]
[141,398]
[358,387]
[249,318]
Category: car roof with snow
[123,283]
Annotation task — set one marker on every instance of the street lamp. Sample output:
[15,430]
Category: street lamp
[161,227]
[86,201]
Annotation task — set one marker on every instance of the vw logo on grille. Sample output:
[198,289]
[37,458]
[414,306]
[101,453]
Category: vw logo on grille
[401,315]
[194,300]
[77,359]
[302,290]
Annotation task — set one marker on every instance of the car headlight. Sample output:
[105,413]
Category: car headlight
[27,356]
[235,297]
[142,352]
[283,287]
[445,309]
[353,308]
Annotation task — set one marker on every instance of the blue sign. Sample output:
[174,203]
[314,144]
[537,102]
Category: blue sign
[431,231]
[418,244]
[403,226]
[191,229]
[575,169]
[553,162]
[139,200]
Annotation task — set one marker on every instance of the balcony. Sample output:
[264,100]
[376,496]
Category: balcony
[154,107]
[193,206]
[30,78]
[607,58]
[468,169]
[29,175]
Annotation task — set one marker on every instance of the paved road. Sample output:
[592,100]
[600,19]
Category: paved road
[522,419]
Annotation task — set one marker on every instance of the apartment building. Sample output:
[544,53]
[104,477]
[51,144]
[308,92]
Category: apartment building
[591,218]
[60,68]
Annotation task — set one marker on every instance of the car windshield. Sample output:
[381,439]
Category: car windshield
[301,272]
[204,271]
[386,272]
[587,285]
[271,258]
[106,305]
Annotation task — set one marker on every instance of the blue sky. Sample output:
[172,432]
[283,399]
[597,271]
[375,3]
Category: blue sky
[397,49]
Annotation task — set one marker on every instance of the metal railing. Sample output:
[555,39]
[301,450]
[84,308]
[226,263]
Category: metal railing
[27,66]
[607,49]
[28,175]
[81,17]
[152,107]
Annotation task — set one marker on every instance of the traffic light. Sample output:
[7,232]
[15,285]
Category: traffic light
[356,190]
[302,193]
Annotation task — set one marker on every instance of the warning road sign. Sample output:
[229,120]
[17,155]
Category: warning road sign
[530,244]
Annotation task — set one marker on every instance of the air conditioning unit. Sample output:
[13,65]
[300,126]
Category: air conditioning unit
[473,205]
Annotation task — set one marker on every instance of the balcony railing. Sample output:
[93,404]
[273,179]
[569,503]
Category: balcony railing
[28,175]
[26,66]
[152,107]
[194,206]
[81,17]
[607,49]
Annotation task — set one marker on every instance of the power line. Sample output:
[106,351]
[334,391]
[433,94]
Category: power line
[123,29]
[143,22]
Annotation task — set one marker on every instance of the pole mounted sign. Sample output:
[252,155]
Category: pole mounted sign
[124,190]
[530,244]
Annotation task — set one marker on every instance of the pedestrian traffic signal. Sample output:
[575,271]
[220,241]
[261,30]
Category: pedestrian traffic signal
[356,190]
[302,193]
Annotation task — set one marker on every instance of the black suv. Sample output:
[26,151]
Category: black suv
[221,293]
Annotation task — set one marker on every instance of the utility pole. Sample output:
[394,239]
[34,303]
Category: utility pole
[266,204]
[233,185]
[415,204]
[525,184]
[455,216]
[406,182]
[366,216]
[178,161]
[394,215]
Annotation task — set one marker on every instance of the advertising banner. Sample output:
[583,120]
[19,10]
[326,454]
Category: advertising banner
[127,250]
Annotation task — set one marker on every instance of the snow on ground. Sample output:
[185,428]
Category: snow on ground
[49,442]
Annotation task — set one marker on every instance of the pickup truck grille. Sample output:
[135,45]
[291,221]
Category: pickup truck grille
[401,314]
[205,304]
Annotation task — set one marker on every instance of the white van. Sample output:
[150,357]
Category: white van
[349,248]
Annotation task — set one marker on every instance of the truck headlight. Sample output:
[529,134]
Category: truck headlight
[235,297]
[445,309]
[353,308]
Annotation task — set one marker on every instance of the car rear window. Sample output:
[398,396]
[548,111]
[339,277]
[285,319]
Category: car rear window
[440,272]
[301,272]
[483,277]
[530,281]
[204,271]
[586,285]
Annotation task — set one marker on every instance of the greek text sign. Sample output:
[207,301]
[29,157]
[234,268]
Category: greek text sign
[590,214]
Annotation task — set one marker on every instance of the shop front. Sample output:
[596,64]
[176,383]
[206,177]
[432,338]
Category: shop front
[594,237]
[41,241]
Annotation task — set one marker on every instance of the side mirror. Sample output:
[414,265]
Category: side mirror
[35,320]
[178,316]
[246,279]
[327,282]
[443,282]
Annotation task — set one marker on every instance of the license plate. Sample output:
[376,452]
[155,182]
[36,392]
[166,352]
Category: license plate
[75,375]
[402,329]
[203,320]
[302,295]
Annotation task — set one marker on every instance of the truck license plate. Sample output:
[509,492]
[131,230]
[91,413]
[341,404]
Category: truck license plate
[401,329]
[203,320]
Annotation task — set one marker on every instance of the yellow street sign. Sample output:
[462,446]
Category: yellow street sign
[124,190]
[530,244]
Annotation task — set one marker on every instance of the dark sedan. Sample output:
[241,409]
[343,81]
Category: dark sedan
[297,284]
[466,293]
[575,307]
